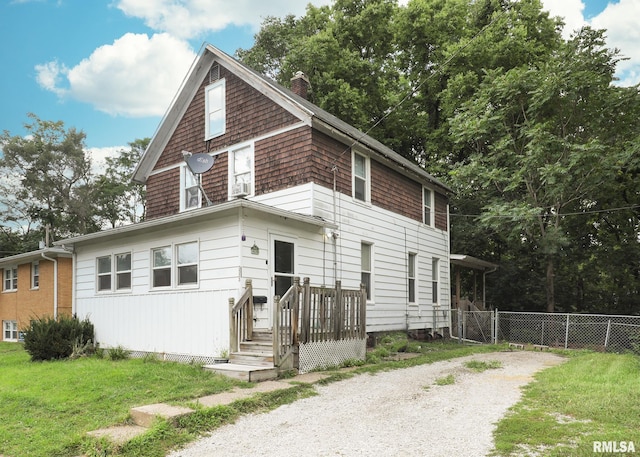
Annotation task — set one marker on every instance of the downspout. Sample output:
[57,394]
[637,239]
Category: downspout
[55,284]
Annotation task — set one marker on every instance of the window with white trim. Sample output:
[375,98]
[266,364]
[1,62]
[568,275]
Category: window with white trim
[215,123]
[123,271]
[10,279]
[180,269]
[35,275]
[114,272]
[361,181]
[411,277]
[104,273]
[241,171]
[10,330]
[190,195]
[161,268]
[187,263]
[366,271]
[435,279]
[427,204]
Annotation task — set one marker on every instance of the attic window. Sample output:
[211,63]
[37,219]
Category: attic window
[214,73]
[215,111]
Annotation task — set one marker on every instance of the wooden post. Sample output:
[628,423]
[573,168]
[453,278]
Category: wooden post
[276,330]
[249,287]
[363,311]
[337,312]
[233,329]
[306,312]
[295,311]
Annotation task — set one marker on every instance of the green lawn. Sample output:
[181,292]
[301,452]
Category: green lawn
[591,397]
[47,407]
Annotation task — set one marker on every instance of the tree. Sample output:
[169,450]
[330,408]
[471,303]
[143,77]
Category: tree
[47,179]
[120,200]
[544,142]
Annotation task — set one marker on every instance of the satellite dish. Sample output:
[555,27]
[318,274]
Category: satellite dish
[200,163]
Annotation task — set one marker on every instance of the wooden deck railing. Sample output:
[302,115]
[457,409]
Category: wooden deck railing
[241,318]
[306,314]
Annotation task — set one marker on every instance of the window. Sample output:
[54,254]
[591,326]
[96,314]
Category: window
[365,268]
[104,273]
[184,269]
[191,196]
[241,171]
[427,202]
[162,267]
[10,279]
[35,275]
[411,275]
[187,263]
[360,177]
[215,109]
[435,274]
[123,271]
[10,330]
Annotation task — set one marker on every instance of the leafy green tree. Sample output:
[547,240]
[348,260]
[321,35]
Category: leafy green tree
[543,147]
[118,199]
[47,179]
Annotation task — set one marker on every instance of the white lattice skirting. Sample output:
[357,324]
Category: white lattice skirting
[330,353]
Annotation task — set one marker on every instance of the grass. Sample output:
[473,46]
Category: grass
[445,380]
[479,366]
[48,407]
[591,397]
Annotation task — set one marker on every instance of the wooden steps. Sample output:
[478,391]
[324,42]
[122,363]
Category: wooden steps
[253,362]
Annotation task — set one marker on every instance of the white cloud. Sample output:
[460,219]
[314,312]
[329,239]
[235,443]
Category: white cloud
[99,155]
[571,12]
[135,76]
[620,21]
[193,18]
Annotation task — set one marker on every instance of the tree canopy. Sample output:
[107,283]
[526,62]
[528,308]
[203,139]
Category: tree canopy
[48,184]
[527,127]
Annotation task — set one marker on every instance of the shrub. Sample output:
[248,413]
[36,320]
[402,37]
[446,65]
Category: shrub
[49,339]
[118,353]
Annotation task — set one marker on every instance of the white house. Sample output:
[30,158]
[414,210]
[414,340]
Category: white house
[282,189]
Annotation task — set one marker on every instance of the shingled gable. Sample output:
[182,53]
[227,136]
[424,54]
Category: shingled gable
[299,107]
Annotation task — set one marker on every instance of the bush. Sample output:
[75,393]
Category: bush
[51,339]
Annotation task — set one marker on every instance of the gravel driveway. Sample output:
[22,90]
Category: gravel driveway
[396,413]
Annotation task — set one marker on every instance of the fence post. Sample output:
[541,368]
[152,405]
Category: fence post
[459,312]
[566,334]
[295,311]
[337,311]
[249,287]
[276,330]
[233,329]
[606,338]
[306,312]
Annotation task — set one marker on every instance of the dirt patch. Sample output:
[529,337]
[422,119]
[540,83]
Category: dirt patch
[401,412]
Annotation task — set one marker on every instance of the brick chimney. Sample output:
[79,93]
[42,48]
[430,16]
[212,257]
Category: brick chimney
[300,84]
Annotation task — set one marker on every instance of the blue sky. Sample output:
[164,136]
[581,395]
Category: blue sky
[111,68]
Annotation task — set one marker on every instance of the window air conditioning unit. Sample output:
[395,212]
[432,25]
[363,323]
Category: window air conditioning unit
[241,189]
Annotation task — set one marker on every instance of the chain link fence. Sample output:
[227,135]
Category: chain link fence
[598,332]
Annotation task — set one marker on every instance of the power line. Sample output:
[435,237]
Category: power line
[522,216]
